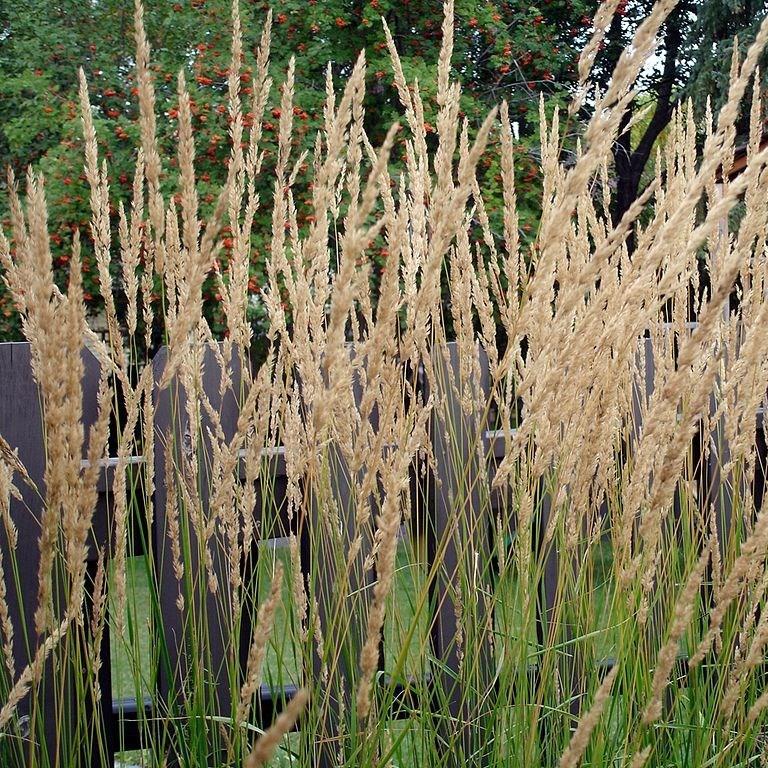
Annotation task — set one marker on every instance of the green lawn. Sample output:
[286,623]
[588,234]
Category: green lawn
[281,663]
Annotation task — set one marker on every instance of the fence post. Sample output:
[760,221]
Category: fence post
[320,559]
[21,424]
[459,539]
[172,423]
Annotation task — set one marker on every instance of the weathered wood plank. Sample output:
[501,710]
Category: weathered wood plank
[458,539]
[21,424]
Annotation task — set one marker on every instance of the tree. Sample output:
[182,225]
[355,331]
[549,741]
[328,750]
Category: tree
[693,61]
[503,50]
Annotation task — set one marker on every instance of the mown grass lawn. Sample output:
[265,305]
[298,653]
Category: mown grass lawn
[281,664]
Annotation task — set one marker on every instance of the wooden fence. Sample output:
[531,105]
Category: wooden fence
[20,425]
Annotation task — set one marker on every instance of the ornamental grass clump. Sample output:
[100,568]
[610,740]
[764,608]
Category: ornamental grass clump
[504,511]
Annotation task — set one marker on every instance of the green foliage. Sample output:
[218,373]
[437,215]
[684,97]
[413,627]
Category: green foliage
[717,25]
[502,51]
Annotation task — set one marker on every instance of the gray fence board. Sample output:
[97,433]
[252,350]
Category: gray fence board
[22,427]
[461,527]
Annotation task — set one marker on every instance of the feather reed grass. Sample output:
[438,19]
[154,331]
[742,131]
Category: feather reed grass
[464,531]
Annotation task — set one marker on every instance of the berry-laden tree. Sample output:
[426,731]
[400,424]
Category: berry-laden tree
[503,50]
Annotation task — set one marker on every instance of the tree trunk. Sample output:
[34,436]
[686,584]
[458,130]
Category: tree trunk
[630,162]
